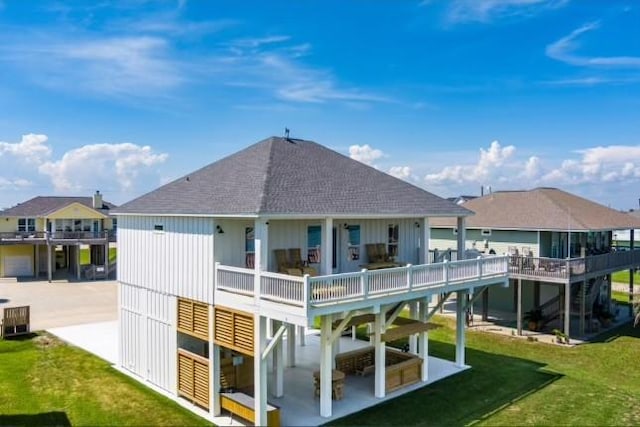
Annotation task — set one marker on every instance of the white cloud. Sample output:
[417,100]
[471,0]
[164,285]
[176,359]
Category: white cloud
[487,10]
[402,172]
[32,148]
[487,167]
[101,165]
[13,184]
[532,168]
[564,50]
[260,41]
[365,153]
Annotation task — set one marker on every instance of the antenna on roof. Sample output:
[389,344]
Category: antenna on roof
[286,133]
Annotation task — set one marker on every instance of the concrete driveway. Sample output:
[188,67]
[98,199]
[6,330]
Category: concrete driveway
[63,303]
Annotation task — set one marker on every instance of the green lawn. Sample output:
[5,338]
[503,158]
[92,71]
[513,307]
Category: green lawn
[623,277]
[516,382]
[85,256]
[44,382]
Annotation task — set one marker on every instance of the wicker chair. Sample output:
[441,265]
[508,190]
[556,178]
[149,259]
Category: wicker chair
[284,266]
[296,262]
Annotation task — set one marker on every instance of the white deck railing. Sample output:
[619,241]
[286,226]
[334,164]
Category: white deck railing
[365,284]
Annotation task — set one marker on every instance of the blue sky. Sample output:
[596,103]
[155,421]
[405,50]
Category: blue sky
[449,95]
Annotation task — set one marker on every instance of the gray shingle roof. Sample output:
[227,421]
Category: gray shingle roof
[280,176]
[42,205]
[541,209]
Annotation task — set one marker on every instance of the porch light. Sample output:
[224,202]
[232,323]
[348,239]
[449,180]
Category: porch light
[219,229]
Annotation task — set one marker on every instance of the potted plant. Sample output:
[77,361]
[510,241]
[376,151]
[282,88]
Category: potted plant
[534,318]
[561,337]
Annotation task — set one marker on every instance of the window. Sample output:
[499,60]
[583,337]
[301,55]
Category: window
[392,243]
[26,224]
[314,238]
[114,224]
[158,227]
[249,247]
[353,246]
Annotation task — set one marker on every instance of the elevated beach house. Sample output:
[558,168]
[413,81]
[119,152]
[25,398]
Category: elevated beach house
[218,268]
[44,235]
[560,255]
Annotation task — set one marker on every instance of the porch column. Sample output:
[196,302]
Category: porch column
[485,304]
[291,345]
[380,354]
[567,307]
[413,339]
[425,236]
[583,296]
[106,260]
[462,237]
[519,307]
[301,336]
[424,341]
[631,248]
[278,366]
[49,266]
[261,257]
[327,247]
[77,247]
[36,257]
[214,359]
[259,367]
[325,367]
[335,345]
[461,298]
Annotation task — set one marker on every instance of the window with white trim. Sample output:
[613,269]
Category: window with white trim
[249,247]
[314,239]
[353,246]
[392,243]
[26,224]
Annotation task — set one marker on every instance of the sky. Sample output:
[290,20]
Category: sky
[453,95]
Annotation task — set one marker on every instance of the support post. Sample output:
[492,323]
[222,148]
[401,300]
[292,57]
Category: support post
[413,339]
[106,260]
[291,345]
[583,296]
[631,248]
[460,332]
[425,237]
[325,367]
[77,249]
[462,237]
[301,336]
[327,247]
[519,307]
[260,370]
[485,304]
[380,354]
[214,367]
[278,368]
[261,256]
[49,256]
[424,341]
[36,257]
[567,307]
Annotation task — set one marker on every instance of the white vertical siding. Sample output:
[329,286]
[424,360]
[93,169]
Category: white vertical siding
[148,335]
[176,261]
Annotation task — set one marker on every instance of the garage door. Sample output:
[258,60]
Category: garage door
[16,266]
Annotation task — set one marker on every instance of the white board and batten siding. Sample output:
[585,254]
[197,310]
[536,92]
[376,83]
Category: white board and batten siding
[148,341]
[498,240]
[177,260]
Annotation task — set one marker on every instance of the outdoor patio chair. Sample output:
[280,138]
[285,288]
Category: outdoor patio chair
[15,321]
[296,262]
[284,266]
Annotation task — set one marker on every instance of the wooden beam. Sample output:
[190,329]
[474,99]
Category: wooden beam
[337,331]
[356,320]
[276,337]
[440,304]
[476,295]
[402,331]
[393,315]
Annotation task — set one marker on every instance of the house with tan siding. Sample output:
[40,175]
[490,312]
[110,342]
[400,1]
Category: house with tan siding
[43,235]
[560,253]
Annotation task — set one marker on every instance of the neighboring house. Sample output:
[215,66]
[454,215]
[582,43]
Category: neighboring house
[44,235]
[622,238]
[202,263]
[559,244]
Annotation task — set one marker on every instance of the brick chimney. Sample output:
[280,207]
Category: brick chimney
[97,200]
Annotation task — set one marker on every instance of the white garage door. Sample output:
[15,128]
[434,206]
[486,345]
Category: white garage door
[16,266]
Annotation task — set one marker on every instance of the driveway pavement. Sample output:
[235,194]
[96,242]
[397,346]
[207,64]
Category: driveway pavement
[63,303]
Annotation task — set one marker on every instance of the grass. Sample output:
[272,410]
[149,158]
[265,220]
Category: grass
[516,382]
[623,277]
[45,382]
[85,255]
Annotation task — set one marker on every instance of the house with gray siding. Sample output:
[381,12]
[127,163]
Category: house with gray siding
[560,253]
[287,234]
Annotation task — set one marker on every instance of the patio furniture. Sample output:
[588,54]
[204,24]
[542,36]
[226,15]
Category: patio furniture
[15,321]
[337,384]
[296,262]
[378,257]
[243,406]
[284,266]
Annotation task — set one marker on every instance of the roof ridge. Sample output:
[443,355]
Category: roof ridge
[565,210]
[263,194]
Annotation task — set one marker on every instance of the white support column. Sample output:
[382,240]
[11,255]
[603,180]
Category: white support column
[325,367]
[291,345]
[259,369]
[380,353]
[214,366]
[327,246]
[519,306]
[567,307]
[462,237]
[461,297]
[302,336]
[278,368]
[424,340]
[425,236]
[261,256]
[335,348]
[413,339]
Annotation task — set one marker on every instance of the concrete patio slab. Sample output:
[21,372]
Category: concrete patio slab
[100,338]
